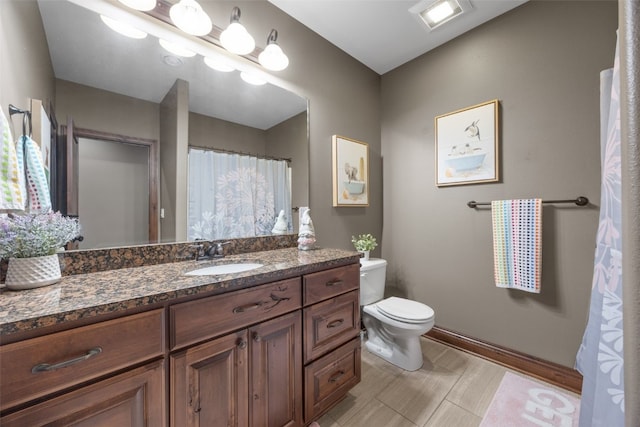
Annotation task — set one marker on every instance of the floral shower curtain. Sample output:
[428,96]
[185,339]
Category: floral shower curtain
[600,357]
[233,195]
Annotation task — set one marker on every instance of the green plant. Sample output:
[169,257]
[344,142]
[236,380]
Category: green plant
[33,235]
[364,242]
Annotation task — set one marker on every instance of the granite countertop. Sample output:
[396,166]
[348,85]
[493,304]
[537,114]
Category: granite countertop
[87,295]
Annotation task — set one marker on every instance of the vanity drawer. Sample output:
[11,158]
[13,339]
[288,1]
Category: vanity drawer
[330,323]
[329,378]
[329,283]
[39,366]
[198,320]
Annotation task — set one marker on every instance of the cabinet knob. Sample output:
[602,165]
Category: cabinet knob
[242,344]
[256,337]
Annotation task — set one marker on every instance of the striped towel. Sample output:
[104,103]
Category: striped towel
[517,243]
[12,197]
[35,178]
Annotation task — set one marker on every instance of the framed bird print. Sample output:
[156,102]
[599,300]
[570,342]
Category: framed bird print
[467,145]
[350,172]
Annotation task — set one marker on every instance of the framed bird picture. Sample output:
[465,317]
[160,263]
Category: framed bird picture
[467,145]
[350,172]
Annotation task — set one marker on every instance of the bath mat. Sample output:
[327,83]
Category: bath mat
[520,402]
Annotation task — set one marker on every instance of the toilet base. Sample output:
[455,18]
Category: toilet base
[408,362]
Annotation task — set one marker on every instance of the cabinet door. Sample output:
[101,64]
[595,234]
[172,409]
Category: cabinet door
[209,384]
[276,372]
[135,398]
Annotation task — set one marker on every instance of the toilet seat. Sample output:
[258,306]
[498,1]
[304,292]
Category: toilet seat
[404,310]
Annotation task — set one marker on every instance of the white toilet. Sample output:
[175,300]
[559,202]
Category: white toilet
[394,325]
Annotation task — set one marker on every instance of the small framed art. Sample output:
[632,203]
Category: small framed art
[467,145]
[350,172]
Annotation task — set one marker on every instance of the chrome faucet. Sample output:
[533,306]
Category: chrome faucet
[216,250]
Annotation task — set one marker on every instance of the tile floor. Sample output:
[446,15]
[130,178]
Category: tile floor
[453,388]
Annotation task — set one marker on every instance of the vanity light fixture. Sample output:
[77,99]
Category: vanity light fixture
[252,79]
[190,18]
[272,57]
[436,13]
[143,5]
[218,64]
[176,49]
[123,28]
[236,39]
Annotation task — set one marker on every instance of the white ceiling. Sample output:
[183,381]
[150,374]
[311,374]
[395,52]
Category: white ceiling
[383,34]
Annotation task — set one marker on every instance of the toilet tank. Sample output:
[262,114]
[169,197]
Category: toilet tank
[372,280]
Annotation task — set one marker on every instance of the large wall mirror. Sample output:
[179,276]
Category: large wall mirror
[129,97]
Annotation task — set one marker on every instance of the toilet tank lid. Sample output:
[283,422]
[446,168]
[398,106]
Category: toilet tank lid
[372,264]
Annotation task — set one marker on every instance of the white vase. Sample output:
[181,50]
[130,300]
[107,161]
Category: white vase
[29,273]
[365,255]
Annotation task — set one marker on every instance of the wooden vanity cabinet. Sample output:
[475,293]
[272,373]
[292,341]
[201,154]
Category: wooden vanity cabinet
[60,364]
[331,337]
[272,355]
[252,376]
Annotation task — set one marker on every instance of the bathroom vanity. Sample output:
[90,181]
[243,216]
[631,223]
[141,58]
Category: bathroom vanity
[274,346]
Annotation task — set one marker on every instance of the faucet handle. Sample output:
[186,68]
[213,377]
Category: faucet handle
[198,250]
[219,249]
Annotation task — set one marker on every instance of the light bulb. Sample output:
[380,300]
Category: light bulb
[218,64]
[273,58]
[190,18]
[123,28]
[176,49]
[252,79]
[143,5]
[236,39]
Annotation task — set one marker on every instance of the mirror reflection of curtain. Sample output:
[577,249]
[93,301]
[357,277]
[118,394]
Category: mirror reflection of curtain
[234,196]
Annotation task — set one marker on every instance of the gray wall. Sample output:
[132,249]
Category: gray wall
[289,139]
[344,99]
[25,69]
[546,77]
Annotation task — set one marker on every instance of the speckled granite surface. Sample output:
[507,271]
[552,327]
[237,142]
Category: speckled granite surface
[87,295]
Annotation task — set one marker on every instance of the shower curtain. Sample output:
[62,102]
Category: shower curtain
[233,195]
[600,357]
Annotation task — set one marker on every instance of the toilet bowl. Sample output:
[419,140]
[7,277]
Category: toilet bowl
[394,325]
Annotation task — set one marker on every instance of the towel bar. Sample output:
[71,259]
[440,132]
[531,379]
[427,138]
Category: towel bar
[580,201]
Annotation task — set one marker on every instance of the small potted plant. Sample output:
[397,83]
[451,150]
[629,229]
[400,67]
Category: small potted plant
[364,243]
[30,242]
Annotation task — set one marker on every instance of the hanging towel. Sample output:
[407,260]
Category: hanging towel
[517,243]
[35,179]
[12,196]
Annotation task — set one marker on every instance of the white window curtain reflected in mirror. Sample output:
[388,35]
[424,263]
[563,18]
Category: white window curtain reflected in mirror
[235,196]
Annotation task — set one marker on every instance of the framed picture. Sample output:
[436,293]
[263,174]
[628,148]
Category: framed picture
[350,172]
[467,145]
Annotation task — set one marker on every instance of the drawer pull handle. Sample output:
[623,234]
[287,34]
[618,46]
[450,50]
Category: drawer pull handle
[335,377]
[46,367]
[335,323]
[335,282]
[247,307]
[275,300]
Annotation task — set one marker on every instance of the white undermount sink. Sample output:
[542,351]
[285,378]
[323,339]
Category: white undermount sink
[213,270]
